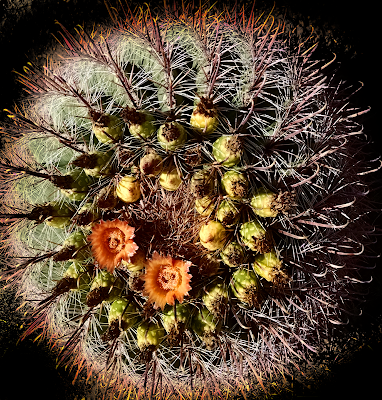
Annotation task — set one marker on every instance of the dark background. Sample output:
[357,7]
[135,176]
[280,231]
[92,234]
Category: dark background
[348,29]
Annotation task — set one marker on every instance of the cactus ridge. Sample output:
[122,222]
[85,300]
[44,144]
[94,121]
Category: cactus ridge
[258,246]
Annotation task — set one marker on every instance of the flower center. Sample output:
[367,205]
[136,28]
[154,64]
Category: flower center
[115,240]
[169,278]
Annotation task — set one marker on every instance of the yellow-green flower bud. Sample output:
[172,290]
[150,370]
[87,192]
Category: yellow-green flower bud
[95,163]
[255,237]
[245,286]
[79,186]
[77,241]
[104,287]
[129,189]
[107,128]
[227,213]
[228,150]
[176,324]
[170,179]
[145,128]
[206,326]
[204,322]
[233,255]
[204,117]
[60,215]
[151,164]
[212,235]
[137,261]
[268,204]
[269,267]
[171,135]
[79,272]
[202,183]
[235,184]
[102,165]
[261,203]
[103,279]
[125,312]
[204,206]
[149,336]
[216,298]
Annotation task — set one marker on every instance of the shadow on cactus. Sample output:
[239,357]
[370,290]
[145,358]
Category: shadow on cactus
[184,200]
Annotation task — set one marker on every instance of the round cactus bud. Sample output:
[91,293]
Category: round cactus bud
[245,286]
[137,261]
[60,215]
[204,117]
[228,150]
[151,164]
[216,298]
[169,320]
[212,235]
[269,267]
[102,165]
[233,255]
[77,244]
[204,206]
[107,128]
[171,135]
[268,204]
[79,186]
[102,279]
[202,184]
[170,179]
[123,314]
[140,123]
[76,239]
[94,164]
[235,184]
[227,213]
[174,322]
[124,311]
[204,322]
[261,203]
[104,287]
[255,237]
[206,326]
[128,189]
[149,336]
[79,273]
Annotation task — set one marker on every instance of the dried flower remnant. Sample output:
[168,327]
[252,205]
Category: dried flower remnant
[112,242]
[166,279]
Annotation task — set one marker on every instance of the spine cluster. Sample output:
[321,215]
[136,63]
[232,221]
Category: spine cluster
[185,197]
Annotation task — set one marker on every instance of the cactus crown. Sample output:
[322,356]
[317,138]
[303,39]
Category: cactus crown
[218,153]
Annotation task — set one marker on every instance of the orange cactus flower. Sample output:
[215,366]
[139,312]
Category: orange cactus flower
[112,242]
[165,280]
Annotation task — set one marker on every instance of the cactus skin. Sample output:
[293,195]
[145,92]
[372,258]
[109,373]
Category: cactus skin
[212,77]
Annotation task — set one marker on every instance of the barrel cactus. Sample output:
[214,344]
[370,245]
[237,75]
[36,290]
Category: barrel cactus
[184,196]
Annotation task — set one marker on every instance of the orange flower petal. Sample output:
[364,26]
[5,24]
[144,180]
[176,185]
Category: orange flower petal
[166,279]
[112,242]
